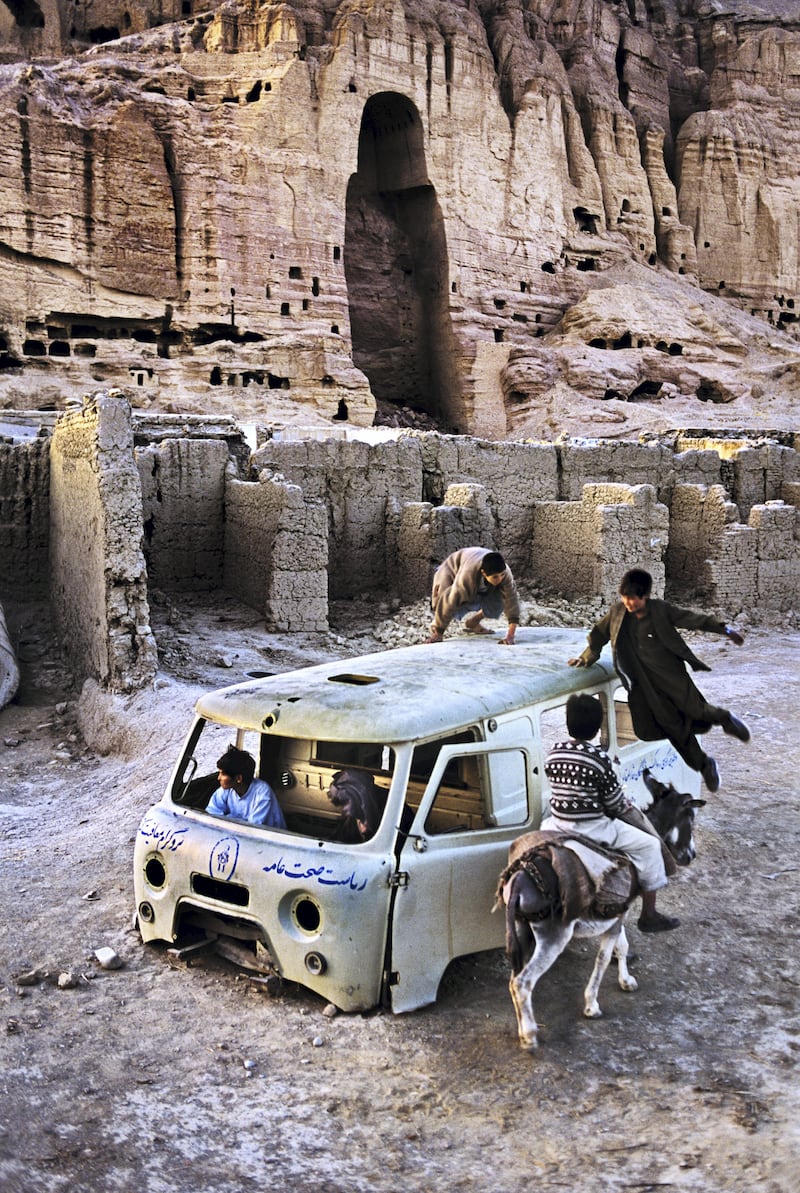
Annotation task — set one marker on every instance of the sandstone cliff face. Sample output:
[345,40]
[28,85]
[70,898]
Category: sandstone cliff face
[518,216]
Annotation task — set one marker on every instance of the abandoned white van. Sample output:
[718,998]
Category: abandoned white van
[454,733]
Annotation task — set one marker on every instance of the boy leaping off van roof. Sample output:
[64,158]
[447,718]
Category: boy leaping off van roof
[586,797]
[477,582]
[651,656]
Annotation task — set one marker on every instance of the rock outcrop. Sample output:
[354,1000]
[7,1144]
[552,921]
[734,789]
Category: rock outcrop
[508,215]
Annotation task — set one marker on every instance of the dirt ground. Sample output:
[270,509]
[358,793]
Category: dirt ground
[163,1077]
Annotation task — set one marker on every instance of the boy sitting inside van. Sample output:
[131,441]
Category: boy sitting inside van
[586,797]
[240,796]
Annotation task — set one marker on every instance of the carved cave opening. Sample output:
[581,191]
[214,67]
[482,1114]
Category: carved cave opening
[26,13]
[396,267]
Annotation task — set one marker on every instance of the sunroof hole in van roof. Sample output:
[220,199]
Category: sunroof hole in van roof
[358,680]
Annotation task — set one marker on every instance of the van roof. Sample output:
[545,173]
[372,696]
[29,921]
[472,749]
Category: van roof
[412,693]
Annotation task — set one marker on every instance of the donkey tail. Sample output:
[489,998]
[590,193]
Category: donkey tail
[519,937]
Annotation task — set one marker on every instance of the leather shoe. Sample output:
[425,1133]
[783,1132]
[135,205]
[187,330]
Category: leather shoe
[735,727]
[658,923]
[710,773]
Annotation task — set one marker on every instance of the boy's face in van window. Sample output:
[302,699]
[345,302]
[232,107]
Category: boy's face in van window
[229,782]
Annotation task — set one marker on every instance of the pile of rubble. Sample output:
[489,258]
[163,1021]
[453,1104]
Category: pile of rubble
[388,624]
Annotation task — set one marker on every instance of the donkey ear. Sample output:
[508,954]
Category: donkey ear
[697,803]
[656,788]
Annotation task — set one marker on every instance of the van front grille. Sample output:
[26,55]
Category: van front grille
[224,892]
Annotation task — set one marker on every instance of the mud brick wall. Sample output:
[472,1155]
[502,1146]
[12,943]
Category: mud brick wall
[590,462]
[759,474]
[276,552]
[733,571]
[183,504]
[698,516]
[98,578]
[514,476]
[751,472]
[357,482]
[562,546]
[697,467]
[323,519]
[25,519]
[584,546]
[427,534]
[777,528]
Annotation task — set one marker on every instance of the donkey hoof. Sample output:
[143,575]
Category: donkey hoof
[529,1045]
[592,1011]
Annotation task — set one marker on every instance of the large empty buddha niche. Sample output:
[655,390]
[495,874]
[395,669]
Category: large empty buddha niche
[396,267]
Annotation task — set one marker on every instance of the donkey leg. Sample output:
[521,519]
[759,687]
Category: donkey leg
[626,979]
[608,941]
[551,940]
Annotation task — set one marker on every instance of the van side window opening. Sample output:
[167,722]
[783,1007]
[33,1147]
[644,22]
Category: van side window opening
[196,779]
[459,804]
[509,802]
[622,717]
[424,758]
[349,753]
[553,724]
[301,771]
[480,791]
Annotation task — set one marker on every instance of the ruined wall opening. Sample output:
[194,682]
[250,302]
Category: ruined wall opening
[396,267]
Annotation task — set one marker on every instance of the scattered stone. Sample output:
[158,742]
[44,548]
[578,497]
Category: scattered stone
[31,977]
[108,959]
[330,1011]
[317,1042]
[91,895]
[66,981]
[12,742]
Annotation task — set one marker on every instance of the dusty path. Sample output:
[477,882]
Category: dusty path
[163,1078]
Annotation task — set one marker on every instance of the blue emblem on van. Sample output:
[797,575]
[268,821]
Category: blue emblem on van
[223,859]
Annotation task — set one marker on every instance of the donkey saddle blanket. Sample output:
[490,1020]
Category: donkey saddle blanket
[589,880]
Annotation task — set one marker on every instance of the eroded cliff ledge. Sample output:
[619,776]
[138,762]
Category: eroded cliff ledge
[518,218]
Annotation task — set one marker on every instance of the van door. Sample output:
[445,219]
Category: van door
[449,868]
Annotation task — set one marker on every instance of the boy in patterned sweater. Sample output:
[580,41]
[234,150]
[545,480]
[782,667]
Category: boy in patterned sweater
[586,797]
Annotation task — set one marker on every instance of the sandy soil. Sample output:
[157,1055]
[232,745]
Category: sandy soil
[161,1077]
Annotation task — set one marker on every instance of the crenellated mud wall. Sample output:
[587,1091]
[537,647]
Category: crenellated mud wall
[98,576]
[299,522]
[276,552]
[585,546]
[183,506]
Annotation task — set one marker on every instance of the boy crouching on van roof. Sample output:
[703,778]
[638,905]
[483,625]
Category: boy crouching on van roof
[474,583]
[586,797]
